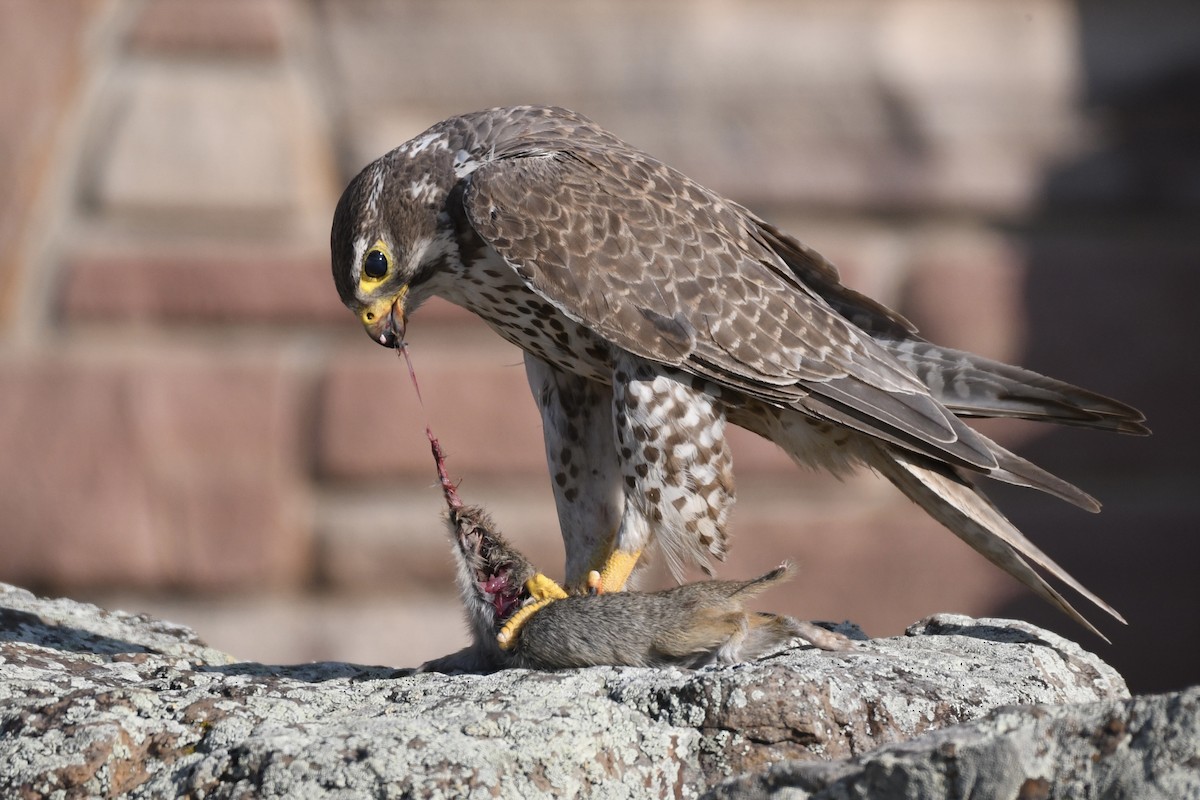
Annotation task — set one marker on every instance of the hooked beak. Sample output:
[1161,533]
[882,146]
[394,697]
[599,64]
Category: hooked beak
[384,320]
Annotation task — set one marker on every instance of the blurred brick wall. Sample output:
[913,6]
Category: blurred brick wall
[191,423]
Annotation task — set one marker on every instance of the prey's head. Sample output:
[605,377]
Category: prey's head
[492,574]
[392,237]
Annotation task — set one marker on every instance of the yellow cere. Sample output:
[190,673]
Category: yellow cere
[382,306]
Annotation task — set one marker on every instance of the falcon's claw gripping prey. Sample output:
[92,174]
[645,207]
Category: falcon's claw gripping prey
[519,617]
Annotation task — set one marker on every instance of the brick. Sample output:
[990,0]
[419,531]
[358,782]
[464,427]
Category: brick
[151,473]
[965,290]
[572,51]
[872,257]
[225,27]
[983,93]
[393,539]
[76,506]
[1007,49]
[201,281]
[40,58]
[399,630]
[371,427]
[202,144]
[888,105]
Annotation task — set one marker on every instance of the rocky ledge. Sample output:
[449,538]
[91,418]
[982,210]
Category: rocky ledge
[101,703]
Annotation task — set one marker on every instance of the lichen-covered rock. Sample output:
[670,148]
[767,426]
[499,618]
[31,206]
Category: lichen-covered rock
[102,703]
[1146,748]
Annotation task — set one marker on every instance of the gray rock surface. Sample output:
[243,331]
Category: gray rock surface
[102,703]
[1146,748]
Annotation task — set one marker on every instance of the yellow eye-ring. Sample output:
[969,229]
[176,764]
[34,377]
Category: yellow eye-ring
[376,262]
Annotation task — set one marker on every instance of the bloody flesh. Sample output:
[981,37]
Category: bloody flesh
[497,585]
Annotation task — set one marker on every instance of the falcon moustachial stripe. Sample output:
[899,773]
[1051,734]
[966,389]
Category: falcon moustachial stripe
[653,312]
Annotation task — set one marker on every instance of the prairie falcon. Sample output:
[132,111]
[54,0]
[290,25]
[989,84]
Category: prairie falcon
[653,312]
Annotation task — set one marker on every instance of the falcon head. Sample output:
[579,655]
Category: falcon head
[392,235]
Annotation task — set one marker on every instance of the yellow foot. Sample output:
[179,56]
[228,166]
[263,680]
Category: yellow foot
[544,591]
[542,588]
[615,572]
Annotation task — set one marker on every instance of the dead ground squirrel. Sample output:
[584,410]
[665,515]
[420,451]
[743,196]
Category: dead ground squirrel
[690,625]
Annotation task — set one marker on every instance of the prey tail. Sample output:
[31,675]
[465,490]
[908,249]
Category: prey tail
[744,590]
[762,633]
[953,501]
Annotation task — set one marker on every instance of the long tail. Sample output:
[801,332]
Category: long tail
[956,503]
[974,386]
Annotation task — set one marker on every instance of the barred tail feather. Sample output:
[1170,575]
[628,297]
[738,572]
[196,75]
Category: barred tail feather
[957,504]
[974,386]
[1011,468]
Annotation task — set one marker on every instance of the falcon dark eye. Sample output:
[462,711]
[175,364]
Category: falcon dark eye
[375,265]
